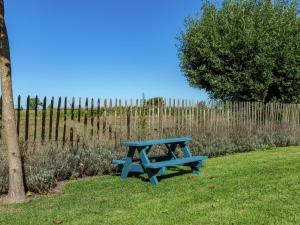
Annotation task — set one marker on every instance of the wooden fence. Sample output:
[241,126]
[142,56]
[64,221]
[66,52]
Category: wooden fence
[71,120]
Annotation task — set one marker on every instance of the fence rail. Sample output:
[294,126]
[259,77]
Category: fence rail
[71,120]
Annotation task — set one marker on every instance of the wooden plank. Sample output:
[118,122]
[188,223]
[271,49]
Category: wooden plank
[131,115]
[65,121]
[190,115]
[51,118]
[0,116]
[35,117]
[18,115]
[128,112]
[153,115]
[44,120]
[72,123]
[148,107]
[255,116]
[169,116]
[57,119]
[115,121]
[115,110]
[86,111]
[164,116]
[27,119]
[174,114]
[159,114]
[104,117]
[136,115]
[228,111]
[92,117]
[79,111]
[197,106]
[178,117]
[186,112]
[145,121]
[98,115]
[250,124]
[174,162]
[182,114]
[121,119]
[110,119]
[156,142]
[140,116]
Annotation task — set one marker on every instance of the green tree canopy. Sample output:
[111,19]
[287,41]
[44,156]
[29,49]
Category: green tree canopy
[156,101]
[32,103]
[246,50]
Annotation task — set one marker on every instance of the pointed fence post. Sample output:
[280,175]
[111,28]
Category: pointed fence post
[57,119]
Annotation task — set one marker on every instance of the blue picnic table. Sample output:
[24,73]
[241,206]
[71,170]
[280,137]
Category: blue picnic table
[157,165]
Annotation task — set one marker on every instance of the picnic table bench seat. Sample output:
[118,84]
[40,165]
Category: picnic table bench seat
[173,162]
[151,158]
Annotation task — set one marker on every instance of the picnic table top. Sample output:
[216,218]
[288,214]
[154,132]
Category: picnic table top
[156,142]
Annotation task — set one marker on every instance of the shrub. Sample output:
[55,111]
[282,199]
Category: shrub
[45,165]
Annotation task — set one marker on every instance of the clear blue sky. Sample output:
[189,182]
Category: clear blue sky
[111,48]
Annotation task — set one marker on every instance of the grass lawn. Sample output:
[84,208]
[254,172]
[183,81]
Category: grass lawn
[261,187]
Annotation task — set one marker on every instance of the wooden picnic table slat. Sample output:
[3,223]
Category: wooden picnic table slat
[156,142]
[173,162]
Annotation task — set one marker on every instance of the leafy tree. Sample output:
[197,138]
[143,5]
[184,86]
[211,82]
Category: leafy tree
[245,50]
[32,103]
[201,105]
[16,191]
[156,101]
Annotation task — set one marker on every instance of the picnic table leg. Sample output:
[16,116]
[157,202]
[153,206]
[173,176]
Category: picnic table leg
[187,153]
[128,162]
[145,160]
[152,176]
[195,169]
[171,151]
[161,171]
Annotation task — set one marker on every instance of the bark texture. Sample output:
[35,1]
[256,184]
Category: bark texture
[16,184]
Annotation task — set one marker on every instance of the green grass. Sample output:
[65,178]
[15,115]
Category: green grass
[261,187]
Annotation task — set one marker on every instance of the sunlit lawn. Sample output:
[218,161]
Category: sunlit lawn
[261,187]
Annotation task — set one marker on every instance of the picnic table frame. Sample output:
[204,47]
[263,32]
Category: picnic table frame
[145,164]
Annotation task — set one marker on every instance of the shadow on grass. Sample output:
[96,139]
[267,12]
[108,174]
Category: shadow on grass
[171,172]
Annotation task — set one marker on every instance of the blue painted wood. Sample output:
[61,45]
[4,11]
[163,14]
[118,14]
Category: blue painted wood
[118,162]
[171,150]
[128,162]
[145,160]
[174,162]
[152,176]
[157,168]
[137,168]
[144,155]
[195,167]
[156,158]
[162,171]
[134,167]
[186,150]
[200,164]
[153,180]
[156,142]
[196,171]
[187,153]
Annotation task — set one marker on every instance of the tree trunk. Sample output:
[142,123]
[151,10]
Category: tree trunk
[16,184]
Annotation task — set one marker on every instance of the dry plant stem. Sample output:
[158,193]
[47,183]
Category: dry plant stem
[16,184]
